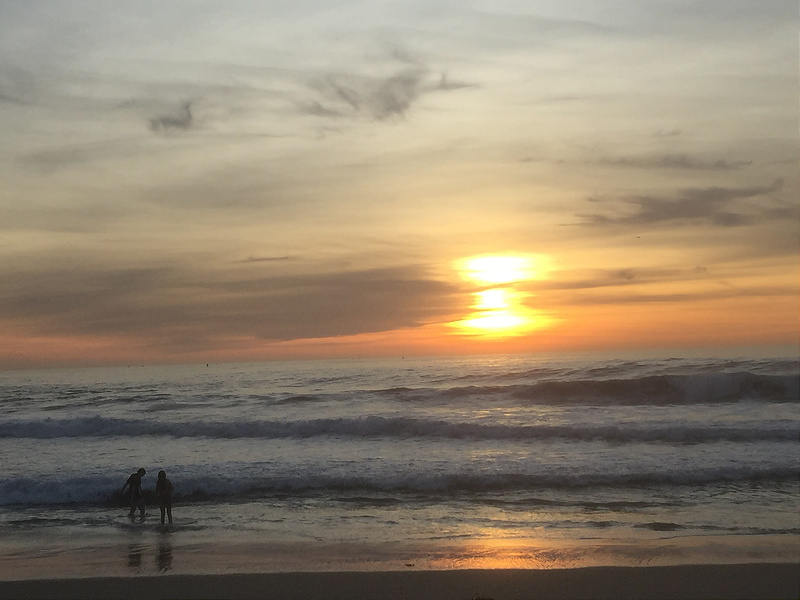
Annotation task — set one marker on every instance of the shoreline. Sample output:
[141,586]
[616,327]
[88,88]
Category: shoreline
[145,553]
[730,581]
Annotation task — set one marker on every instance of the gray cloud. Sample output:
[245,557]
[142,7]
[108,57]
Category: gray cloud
[178,304]
[49,160]
[632,285]
[257,259]
[10,99]
[712,205]
[378,97]
[445,84]
[60,216]
[347,303]
[181,119]
[18,86]
[675,161]
[619,277]
[661,133]
[53,159]
[316,109]
[627,298]
[394,95]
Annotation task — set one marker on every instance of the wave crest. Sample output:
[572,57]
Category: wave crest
[192,487]
[379,427]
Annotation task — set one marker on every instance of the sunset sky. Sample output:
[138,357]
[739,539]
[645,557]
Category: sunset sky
[196,181]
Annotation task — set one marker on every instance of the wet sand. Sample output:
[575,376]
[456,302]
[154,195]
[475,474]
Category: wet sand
[746,581]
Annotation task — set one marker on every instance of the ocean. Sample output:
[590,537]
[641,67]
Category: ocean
[445,463]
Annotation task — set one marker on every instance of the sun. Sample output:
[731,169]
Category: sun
[493,299]
[499,307]
[494,322]
[497,270]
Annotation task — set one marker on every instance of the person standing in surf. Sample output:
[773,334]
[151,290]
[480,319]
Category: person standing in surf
[164,493]
[134,485]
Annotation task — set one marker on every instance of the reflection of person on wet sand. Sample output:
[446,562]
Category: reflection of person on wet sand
[164,558]
[134,484]
[135,558]
[164,493]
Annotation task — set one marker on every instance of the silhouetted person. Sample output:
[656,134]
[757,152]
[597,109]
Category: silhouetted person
[164,493]
[134,485]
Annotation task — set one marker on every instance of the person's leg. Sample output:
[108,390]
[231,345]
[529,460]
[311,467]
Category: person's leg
[163,511]
[169,512]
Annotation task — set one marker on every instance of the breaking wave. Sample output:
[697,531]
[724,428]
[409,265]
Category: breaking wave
[706,388]
[210,485]
[374,427]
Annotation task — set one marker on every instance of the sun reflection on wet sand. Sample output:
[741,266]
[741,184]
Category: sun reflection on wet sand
[565,554]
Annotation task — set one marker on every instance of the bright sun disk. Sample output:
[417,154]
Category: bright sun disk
[497,269]
[500,310]
[493,299]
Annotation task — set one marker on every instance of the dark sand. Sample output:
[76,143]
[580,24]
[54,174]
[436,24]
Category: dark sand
[746,581]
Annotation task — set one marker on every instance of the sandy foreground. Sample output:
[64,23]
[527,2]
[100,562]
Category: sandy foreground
[746,581]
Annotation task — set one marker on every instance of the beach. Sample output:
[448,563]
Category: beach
[745,581]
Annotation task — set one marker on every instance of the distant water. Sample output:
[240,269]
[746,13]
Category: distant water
[439,463]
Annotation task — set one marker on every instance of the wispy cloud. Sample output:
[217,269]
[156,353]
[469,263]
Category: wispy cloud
[11,99]
[259,259]
[718,206]
[17,86]
[181,119]
[590,279]
[644,297]
[666,133]
[643,285]
[379,97]
[675,161]
[52,159]
[376,98]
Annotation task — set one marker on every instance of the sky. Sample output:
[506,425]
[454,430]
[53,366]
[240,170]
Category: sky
[197,181]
